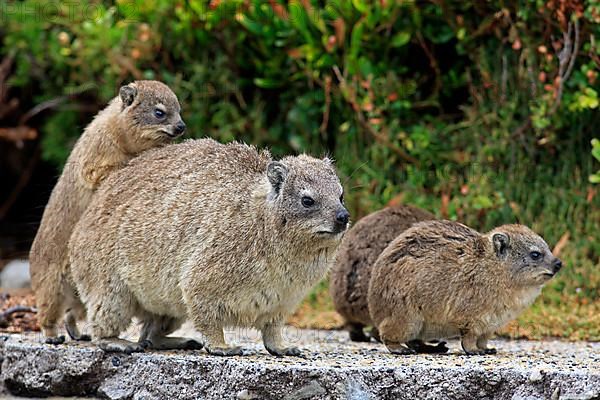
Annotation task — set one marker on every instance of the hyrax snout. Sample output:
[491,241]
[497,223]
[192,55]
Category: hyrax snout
[442,279]
[146,114]
[219,234]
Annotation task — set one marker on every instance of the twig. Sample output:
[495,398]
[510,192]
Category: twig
[592,53]
[327,90]
[365,125]
[432,62]
[566,60]
[18,134]
[5,66]
[6,314]
[52,103]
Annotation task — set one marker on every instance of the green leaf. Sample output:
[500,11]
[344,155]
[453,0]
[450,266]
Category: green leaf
[355,41]
[360,5]
[596,149]
[400,39]
[267,83]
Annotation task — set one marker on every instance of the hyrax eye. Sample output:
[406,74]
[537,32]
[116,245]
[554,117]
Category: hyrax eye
[342,198]
[158,113]
[307,201]
[535,255]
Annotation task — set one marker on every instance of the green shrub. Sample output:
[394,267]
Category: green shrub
[454,108]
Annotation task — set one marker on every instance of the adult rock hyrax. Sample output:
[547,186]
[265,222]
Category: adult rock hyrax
[216,233]
[144,115]
[355,257]
[442,279]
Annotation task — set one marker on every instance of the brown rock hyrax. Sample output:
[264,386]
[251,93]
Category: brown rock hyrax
[216,233]
[355,257]
[144,115]
[442,279]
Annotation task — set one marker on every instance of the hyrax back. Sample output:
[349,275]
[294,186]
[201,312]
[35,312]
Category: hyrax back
[144,115]
[442,279]
[355,257]
[220,234]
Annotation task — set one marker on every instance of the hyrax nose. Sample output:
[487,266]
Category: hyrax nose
[556,265]
[342,217]
[180,127]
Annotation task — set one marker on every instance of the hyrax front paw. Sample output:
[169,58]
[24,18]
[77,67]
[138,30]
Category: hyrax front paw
[225,351]
[84,338]
[55,340]
[174,343]
[399,349]
[421,347]
[285,351]
[480,352]
[121,346]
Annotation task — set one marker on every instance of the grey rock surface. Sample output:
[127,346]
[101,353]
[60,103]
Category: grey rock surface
[332,368]
[15,275]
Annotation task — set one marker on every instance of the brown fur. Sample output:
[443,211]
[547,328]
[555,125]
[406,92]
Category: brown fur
[126,127]
[215,233]
[355,257]
[442,279]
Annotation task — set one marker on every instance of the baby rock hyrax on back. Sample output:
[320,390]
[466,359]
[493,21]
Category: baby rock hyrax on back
[143,116]
[442,279]
[217,233]
[355,257]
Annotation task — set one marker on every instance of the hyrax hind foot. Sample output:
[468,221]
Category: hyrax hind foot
[400,349]
[173,343]
[286,351]
[121,346]
[225,351]
[357,333]
[476,347]
[74,334]
[71,327]
[480,352]
[421,347]
[273,340]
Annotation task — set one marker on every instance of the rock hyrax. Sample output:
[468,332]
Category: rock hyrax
[355,257]
[217,233]
[442,279]
[144,115]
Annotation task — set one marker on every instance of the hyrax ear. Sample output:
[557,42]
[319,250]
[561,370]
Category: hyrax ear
[127,94]
[276,172]
[501,242]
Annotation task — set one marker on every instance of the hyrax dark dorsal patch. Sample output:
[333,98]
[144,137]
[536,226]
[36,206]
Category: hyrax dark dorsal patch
[356,255]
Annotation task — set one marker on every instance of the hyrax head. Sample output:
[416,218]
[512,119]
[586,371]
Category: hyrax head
[525,254]
[309,197]
[151,110]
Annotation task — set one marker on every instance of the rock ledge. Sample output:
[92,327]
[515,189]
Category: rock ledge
[333,369]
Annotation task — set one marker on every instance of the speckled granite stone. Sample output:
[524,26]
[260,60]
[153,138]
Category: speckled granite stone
[331,368]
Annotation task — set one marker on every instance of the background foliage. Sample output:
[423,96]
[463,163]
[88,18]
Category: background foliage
[482,112]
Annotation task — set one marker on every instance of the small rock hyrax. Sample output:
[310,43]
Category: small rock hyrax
[442,279]
[355,257]
[220,234]
[143,116]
